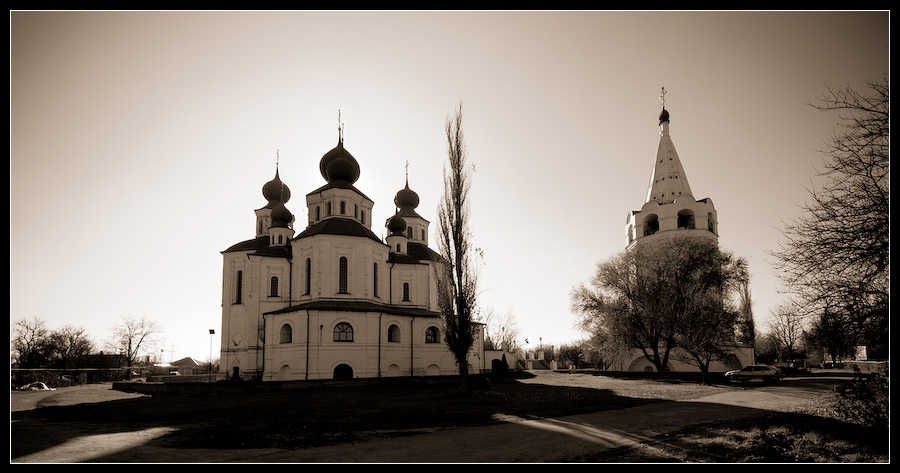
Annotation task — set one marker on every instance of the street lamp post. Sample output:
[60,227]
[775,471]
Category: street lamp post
[211,333]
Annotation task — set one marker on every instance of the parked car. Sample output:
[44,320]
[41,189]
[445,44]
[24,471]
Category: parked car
[764,373]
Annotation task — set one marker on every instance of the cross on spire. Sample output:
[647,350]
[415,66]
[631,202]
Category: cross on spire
[662,97]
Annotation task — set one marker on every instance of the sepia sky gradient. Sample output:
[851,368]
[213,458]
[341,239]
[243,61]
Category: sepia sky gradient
[140,141]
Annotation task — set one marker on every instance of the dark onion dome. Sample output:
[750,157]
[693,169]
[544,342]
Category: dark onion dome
[276,191]
[339,165]
[406,198]
[281,216]
[397,225]
[663,116]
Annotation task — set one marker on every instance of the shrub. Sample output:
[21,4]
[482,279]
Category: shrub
[865,401]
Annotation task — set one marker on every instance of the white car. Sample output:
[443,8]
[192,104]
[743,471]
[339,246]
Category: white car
[764,373]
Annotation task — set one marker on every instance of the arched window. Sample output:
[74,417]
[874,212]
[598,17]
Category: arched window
[273,287]
[328,208]
[239,287]
[423,234]
[406,291]
[286,334]
[318,213]
[342,282]
[711,224]
[343,332]
[686,220]
[409,232]
[362,216]
[375,279]
[394,333]
[432,335]
[355,210]
[651,225]
[343,207]
[308,275]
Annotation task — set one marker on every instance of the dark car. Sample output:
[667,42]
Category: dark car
[764,373]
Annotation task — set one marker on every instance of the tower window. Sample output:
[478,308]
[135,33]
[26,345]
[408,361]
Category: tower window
[342,282]
[318,213]
[651,225]
[406,291]
[343,332]
[423,234]
[308,275]
[239,287]
[375,279]
[362,216]
[686,220]
[409,232]
[343,207]
[355,210]
[273,289]
[328,208]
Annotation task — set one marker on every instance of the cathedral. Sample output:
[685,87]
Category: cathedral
[670,209]
[335,301]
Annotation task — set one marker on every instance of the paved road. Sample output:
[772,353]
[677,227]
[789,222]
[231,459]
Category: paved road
[517,440]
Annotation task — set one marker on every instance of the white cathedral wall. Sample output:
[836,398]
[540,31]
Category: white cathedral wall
[325,252]
[312,352]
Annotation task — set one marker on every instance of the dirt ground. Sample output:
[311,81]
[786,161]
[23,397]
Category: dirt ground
[97,424]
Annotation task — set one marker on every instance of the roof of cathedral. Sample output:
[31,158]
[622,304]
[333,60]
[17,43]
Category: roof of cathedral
[667,180]
[358,306]
[422,252]
[339,226]
[276,191]
[260,246]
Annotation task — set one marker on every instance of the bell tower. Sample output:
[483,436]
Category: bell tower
[670,207]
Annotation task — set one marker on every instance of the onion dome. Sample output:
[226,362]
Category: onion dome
[397,225]
[276,191]
[406,198]
[663,116]
[281,216]
[339,165]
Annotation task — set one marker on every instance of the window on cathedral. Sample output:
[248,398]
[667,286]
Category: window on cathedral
[423,234]
[406,291]
[355,210]
[409,232]
[286,334]
[394,334]
[343,332]
[375,279]
[343,207]
[432,335]
[362,216]
[318,213]
[239,287]
[328,208]
[342,276]
[308,275]
[273,287]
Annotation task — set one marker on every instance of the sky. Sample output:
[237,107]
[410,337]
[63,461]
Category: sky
[140,142]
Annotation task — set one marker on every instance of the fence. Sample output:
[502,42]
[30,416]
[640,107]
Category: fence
[58,378]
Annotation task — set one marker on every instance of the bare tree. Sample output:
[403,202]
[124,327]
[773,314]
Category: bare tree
[67,345]
[787,323]
[132,335]
[30,341]
[673,293]
[501,330]
[836,256]
[457,286]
